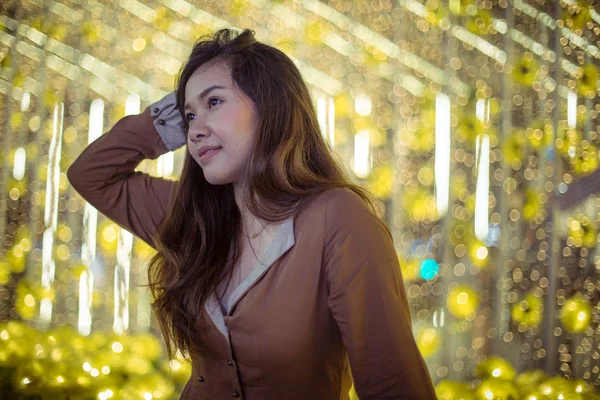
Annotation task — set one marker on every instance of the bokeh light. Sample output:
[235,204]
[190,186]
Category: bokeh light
[475,123]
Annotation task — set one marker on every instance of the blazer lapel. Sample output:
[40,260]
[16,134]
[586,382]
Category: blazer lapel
[283,241]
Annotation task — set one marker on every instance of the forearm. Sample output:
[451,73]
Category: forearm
[104,174]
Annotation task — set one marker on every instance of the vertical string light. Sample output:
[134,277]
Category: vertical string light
[51,212]
[500,323]
[124,247]
[362,154]
[19,163]
[25,101]
[90,223]
[363,161]
[550,325]
[442,152]
[326,117]
[482,153]
[165,164]
[363,105]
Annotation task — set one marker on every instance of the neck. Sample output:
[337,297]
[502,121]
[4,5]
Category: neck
[251,224]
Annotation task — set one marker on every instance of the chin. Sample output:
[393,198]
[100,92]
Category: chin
[217,180]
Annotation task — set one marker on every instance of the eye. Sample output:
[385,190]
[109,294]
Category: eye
[213,101]
[189,116]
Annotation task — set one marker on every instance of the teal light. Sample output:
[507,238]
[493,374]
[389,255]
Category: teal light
[429,269]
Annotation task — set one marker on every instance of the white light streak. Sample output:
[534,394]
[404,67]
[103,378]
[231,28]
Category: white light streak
[19,163]
[363,105]
[362,154]
[51,211]
[482,188]
[442,152]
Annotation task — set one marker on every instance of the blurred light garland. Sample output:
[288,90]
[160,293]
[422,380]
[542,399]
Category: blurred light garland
[529,112]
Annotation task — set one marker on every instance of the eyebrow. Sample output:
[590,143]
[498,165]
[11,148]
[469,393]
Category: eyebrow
[204,93]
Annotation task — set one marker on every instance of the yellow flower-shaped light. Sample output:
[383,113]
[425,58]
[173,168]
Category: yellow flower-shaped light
[143,250]
[453,390]
[28,298]
[496,389]
[381,181]
[145,346]
[15,120]
[478,253]
[77,270]
[469,127]
[533,205]
[343,103]
[50,98]
[90,31]
[436,13]
[576,314]
[534,394]
[495,367]
[568,141]
[16,338]
[108,235]
[527,381]
[528,311]
[5,272]
[582,231]
[584,161]
[513,149]
[582,386]
[576,17]
[539,134]
[588,82]
[422,141]
[153,383]
[462,301]
[557,388]
[480,22]
[420,205]
[179,369]
[161,20]
[409,267]
[428,341]
[525,70]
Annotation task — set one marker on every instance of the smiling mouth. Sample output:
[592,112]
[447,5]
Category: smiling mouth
[209,152]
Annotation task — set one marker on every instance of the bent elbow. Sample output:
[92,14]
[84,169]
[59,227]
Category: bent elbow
[73,176]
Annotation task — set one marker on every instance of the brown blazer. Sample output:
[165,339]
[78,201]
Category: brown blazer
[330,297]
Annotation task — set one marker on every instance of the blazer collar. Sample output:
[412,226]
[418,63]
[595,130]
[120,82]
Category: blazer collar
[284,239]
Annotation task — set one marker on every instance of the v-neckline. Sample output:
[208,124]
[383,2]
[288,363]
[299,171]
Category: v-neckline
[283,240]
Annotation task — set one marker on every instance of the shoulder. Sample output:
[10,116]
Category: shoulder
[342,208]
[337,201]
[340,200]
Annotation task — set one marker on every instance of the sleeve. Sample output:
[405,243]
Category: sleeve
[369,303]
[104,173]
[167,122]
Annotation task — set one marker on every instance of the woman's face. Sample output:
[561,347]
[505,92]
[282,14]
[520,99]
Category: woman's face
[222,117]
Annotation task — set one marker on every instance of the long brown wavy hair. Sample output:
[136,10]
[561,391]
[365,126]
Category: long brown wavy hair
[196,242]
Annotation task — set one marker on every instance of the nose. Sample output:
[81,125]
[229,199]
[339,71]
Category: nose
[197,132]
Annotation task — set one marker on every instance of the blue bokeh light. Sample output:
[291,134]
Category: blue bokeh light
[429,269]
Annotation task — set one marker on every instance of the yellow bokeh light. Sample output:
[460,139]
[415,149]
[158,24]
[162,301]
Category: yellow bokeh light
[117,347]
[29,300]
[139,44]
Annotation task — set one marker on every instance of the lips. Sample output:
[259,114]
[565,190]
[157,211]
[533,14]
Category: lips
[204,150]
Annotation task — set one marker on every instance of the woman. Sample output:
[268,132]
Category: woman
[273,272]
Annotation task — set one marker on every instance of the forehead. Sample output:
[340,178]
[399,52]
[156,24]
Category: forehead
[207,75]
